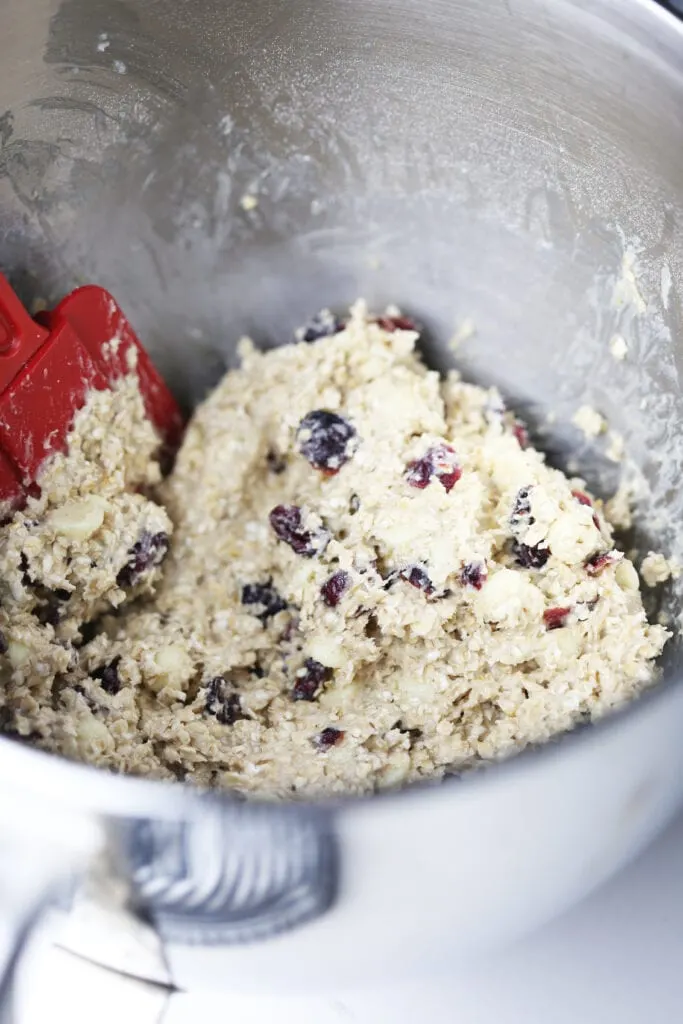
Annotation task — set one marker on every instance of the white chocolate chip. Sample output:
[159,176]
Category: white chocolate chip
[92,736]
[573,536]
[416,687]
[257,700]
[170,666]
[394,773]
[506,596]
[78,520]
[568,640]
[327,651]
[17,653]
[626,576]
[232,780]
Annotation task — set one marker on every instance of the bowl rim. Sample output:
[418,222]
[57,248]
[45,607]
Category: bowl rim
[90,789]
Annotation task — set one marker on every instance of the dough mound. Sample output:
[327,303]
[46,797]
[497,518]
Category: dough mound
[372,579]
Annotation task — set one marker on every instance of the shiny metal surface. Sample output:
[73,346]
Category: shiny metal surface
[519,162]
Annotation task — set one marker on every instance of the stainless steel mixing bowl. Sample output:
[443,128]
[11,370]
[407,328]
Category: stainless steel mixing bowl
[517,162]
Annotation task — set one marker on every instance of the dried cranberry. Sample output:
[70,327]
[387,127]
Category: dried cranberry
[419,473]
[323,325]
[329,737]
[289,631]
[108,676]
[555,618]
[440,461]
[222,701]
[418,578]
[32,737]
[595,565]
[372,628]
[473,575]
[396,323]
[26,578]
[92,704]
[327,440]
[3,643]
[531,557]
[335,587]
[521,433]
[275,462]
[389,579]
[309,680]
[583,499]
[265,595]
[146,554]
[88,631]
[521,510]
[413,734]
[288,523]
[49,613]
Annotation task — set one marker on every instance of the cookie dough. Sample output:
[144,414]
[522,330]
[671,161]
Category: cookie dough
[371,579]
[93,541]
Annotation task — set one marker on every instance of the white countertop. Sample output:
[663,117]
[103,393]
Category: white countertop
[615,959]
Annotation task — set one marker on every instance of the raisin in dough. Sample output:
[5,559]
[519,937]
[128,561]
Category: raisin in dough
[372,579]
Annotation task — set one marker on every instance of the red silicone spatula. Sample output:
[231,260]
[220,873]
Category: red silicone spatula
[47,367]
